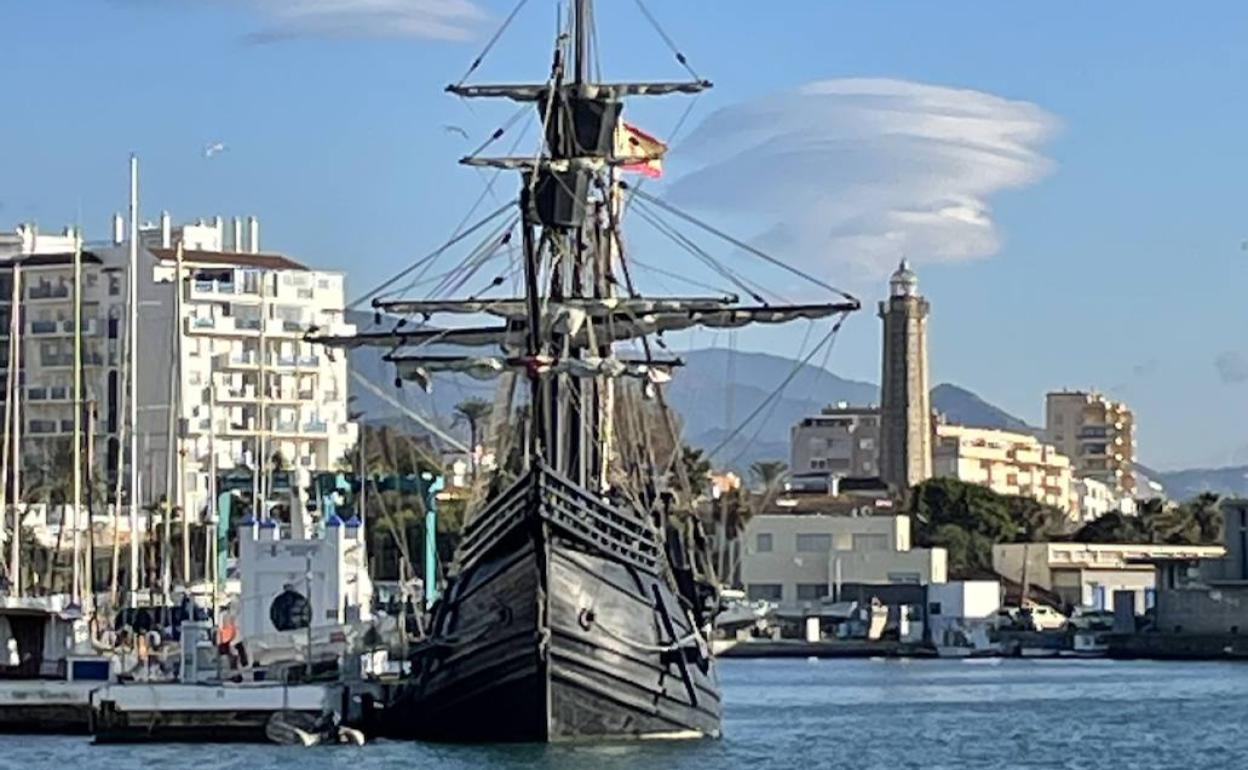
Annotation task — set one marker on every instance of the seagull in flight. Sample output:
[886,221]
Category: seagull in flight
[216,148]
[455,130]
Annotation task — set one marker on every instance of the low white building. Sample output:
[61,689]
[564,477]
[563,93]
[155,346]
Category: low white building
[289,583]
[1095,498]
[1088,574]
[795,559]
[958,610]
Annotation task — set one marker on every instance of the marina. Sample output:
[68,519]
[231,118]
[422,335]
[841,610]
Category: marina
[866,714]
[620,447]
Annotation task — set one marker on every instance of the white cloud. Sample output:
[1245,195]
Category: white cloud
[850,175]
[434,19]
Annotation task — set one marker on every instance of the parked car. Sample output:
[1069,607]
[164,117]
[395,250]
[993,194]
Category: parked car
[1041,617]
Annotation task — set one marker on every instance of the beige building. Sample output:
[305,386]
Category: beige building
[792,559]
[1088,574]
[1006,462]
[1097,434]
[841,441]
[905,401]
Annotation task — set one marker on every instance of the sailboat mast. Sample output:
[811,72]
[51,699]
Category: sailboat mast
[75,585]
[172,467]
[582,41]
[132,335]
[12,419]
[179,492]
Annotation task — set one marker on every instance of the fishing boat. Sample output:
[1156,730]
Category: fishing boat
[582,596]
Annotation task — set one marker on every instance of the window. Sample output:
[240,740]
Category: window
[762,542]
[770,592]
[818,543]
[864,543]
[909,578]
[933,608]
[866,443]
[114,284]
[811,592]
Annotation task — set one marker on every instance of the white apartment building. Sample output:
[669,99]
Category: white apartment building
[1006,462]
[45,345]
[795,559]
[253,394]
[841,441]
[1096,498]
[1089,574]
[1097,434]
[250,387]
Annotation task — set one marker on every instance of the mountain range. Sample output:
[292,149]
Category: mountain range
[718,388]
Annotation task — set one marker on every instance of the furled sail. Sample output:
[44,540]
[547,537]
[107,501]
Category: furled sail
[572,322]
[419,369]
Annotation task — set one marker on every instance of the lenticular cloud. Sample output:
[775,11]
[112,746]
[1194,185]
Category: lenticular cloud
[434,19]
[850,175]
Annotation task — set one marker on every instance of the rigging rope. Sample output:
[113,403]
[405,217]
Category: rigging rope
[680,240]
[493,40]
[676,276]
[428,258]
[680,57]
[836,327]
[743,245]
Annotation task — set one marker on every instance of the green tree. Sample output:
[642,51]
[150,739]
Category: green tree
[1195,522]
[768,474]
[968,519]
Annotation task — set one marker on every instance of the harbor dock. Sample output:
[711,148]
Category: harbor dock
[235,713]
[41,706]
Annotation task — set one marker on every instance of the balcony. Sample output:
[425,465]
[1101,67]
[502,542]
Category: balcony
[281,328]
[238,360]
[201,288]
[225,394]
[47,291]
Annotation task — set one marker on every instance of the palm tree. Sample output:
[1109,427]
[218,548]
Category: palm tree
[473,412]
[768,474]
[1206,514]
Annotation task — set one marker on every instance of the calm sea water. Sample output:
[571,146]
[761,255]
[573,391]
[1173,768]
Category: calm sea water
[856,715]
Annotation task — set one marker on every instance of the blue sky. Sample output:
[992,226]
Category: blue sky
[1088,232]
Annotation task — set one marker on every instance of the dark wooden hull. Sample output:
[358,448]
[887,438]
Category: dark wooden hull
[547,638]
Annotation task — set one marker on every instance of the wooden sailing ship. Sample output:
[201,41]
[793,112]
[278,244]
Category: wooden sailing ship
[581,599]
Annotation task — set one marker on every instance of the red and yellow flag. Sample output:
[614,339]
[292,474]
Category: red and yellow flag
[643,152]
